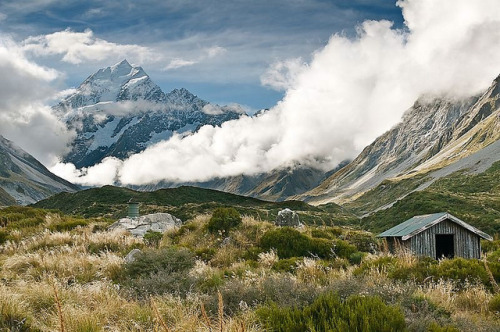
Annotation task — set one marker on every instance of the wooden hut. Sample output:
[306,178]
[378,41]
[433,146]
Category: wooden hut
[436,235]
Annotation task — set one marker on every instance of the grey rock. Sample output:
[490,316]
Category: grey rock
[131,256]
[157,222]
[225,242]
[287,217]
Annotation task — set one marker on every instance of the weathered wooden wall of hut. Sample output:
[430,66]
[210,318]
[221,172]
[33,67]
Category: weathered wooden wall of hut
[466,243]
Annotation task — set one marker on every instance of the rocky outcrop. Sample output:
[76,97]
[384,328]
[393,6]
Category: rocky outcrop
[287,217]
[156,222]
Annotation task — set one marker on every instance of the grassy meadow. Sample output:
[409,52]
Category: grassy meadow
[65,273]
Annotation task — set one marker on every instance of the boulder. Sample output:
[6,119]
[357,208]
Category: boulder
[131,255]
[156,222]
[287,217]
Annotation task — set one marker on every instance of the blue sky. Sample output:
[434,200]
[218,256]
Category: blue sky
[217,49]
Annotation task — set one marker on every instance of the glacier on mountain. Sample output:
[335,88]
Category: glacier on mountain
[119,111]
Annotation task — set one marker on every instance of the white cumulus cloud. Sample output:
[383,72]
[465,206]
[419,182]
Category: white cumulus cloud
[351,92]
[179,63]
[77,47]
[24,117]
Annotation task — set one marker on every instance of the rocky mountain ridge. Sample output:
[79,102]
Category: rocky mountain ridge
[23,179]
[435,137]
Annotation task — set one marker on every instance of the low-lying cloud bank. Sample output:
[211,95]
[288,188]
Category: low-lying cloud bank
[351,92]
[25,88]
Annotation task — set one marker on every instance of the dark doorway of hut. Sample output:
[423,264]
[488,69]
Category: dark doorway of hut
[444,246]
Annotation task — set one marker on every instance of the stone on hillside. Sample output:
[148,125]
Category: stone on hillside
[287,217]
[131,255]
[156,222]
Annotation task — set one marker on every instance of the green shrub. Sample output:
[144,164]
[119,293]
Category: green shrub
[461,269]
[223,220]
[286,265]
[283,290]
[3,236]
[419,271]
[343,249]
[321,234]
[158,272]
[435,327]
[494,304]
[68,225]
[329,313]
[356,258]
[382,263]
[168,260]
[362,241]
[252,253]
[289,242]
[152,238]
[205,254]
[26,222]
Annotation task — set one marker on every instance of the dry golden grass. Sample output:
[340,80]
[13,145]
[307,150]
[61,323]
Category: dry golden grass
[36,268]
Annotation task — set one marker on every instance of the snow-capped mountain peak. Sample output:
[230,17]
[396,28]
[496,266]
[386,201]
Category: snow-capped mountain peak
[121,81]
[119,110]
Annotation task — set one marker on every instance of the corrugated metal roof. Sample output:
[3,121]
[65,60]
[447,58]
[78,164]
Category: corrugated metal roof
[417,224]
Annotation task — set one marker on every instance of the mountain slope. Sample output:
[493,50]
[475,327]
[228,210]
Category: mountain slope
[183,202]
[434,134]
[23,179]
[474,198]
[119,111]
[277,185]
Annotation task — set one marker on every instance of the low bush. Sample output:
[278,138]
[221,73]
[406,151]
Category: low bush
[418,271]
[152,238]
[356,258]
[283,291]
[205,254]
[494,304]
[461,269]
[68,225]
[321,234]
[343,249]
[158,272]
[223,220]
[363,241]
[329,313]
[383,263]
[27,222]
[4,235]
[289,242]
[286,265]
[168,260]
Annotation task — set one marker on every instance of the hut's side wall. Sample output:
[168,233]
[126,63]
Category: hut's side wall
[466,243]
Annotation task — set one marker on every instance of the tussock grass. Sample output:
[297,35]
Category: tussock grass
[72,280]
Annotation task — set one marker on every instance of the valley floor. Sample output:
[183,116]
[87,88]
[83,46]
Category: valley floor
[61,273]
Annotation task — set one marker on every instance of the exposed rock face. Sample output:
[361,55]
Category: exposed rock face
[157,222]
[287,217]
[23,179]
[432,134]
